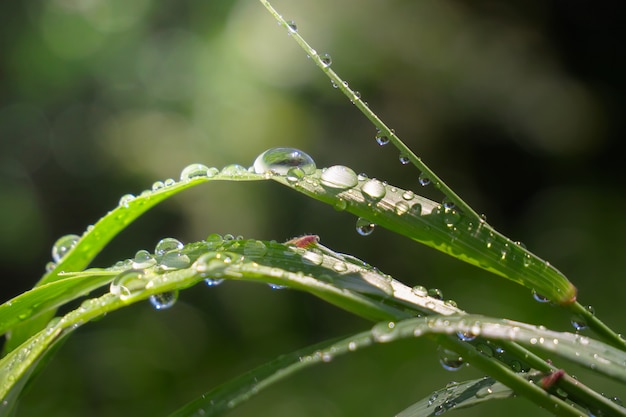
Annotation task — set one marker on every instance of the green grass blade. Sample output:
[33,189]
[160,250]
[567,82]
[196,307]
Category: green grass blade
[97,237]
[225,397]
[590,353]
[459,395]
[47,297]
[439,227]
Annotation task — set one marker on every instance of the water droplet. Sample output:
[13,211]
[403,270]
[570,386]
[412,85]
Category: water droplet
[420,291]
[50,266]
[450,360]
[416,209]
[334,84]
[579,323]
[254,248]
[143,259]
[234,170]
[364,227]
[62,246]
[157,185]
[451,217]
[164,300]
[166,245]
[465,336]
[174,260]
[408,195]
[228,237]
[293,28]
[484,392]
[277,287]
[340,204]
[213,282]
[194,171]
[339,177]
[435,293]
[447,204]
[382,139]
[527,260]
[126,199]
[402,207]
[340,266]
[384,332]
[284,161]
[373,190]
[214,241]
[212,264]
[540,298]
[404,159]
[423,180]
[128,283]
[326,60]
[168,183]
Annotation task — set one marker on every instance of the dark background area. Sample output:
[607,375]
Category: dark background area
[518,106]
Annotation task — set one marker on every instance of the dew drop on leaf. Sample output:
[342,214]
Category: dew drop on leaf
[174,260]
[143,259]
[326,60]
[283,160]
[157,185]
[419,291]
[404,160]
[293,28]
[166,245]
[339,177]
[194,171]
[254,248]
[435,293]
[423,180]
[213,282]
[384,332]
[128,283]
[450,360]
[125,200]
[164,300]
[540,298]
[373,190]
[62,246]
[364,227]
[465,336]
[382,139]
[234,170]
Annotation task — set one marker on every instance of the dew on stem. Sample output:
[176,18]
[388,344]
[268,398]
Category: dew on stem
[284,161]
[62,246]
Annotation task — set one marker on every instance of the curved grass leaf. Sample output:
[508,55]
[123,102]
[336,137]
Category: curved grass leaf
[442,228]
[97,237]
[459,395]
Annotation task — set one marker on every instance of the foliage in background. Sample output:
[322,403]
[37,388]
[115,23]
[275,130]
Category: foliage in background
[153,93]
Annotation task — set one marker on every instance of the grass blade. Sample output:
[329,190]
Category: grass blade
[457,396]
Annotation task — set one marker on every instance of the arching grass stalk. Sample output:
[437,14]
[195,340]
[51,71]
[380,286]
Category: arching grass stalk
[324,63]
[383,130]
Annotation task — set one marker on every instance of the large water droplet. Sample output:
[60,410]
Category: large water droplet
[128,283]
[420,291]
[402,207]
[404,159]
[450,360]
[166,245]
[125,200]
[326,60]
[293,28]
[214,241]
[465,336]
[382,139]
[62,246]
[384,332]
[174,260]
[194,171]
[540,298]
[423,180]
[283,160]
[373,190]
[339,177]
[164,300]
[143,259]
[364,227]
[157,185]
[254,248]
[234,170]
[435,293]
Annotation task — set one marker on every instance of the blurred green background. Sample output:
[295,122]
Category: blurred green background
[518,106]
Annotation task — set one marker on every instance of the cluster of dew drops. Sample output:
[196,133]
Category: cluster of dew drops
[294,165]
